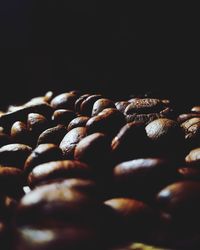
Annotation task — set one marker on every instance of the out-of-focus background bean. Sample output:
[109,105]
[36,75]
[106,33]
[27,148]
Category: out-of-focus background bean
[114,47]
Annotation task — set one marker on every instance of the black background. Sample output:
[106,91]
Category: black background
[113,47]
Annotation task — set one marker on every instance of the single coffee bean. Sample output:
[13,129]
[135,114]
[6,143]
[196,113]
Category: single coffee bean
[20,133]
[121,105]
[79,101]
[93,149]
[70,141]
[193,158]
[108,121]
[162,133]
[196,109]
[37,123]
[184,117]
[78,122]
[64,101]
[142,178]
[63,116]
[14,154]
[102,104]
[182,201]
[42,153]
[131,142]
[87,104]
[59,169]
[52,135]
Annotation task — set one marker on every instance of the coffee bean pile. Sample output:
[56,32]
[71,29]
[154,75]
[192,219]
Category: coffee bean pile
[82,171]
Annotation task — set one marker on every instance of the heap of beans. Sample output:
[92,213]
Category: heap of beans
[82,171]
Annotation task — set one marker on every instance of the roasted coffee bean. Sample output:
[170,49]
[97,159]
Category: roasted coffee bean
[145,106]
[102,104]
[108,121]
[78,122]
[142,178]
[70,141]
[193,158]
[20,133]
[14,154]
[11,181]
[42,153]
[182,201]
[4,139]
[79,101]
[21,115]
[131,142]
[87,104]
[145,118]
[59,169]
[121,105]
[93,149]
[64,101]
[191,128]
[184,117]
[63,116]
[37,123]
[196,109]
[52,135]
[166,133]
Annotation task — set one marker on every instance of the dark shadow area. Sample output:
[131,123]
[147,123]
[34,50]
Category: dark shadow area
[113,48]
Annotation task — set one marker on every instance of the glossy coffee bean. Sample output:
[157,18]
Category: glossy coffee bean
[184,117]
[63,116]
[87,104]
[196,109]
[52,135]
[59,169]
[182,201]
[20,133]
[36,123]
[102,104]
[193,158]
[79,101]
[70,141]
[14,154]
[42,153]
[130,142]
[64,101]
[142,178]
[108,121]
[78,122]
[93,149]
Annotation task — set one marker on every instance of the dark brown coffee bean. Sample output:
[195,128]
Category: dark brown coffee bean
[52,135]
[4,139]
[182,201]
[131,142]
[93,149]
[191,129]
[42,153]
[11,181]
[145,118]
[37,123]
[70,141]
[63,116]
[87,104]
[196,109]
[184,117]
[59,169]
[102,104]
[78,122]
[21,115]
[108,121]
[193,158]
[142,178]
[145,106]
[20,133]
[64,101]
[79,101]
[162,132]
[121,105]
[14,154]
